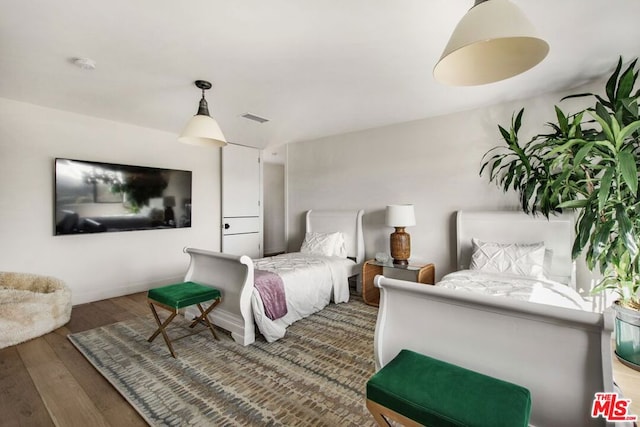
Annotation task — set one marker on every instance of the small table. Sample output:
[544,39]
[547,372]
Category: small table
[423,273]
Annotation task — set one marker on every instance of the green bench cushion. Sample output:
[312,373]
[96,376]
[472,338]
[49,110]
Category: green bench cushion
[184,294]
[439,394]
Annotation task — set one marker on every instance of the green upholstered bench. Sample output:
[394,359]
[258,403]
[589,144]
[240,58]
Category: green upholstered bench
[415,389]
[181,295]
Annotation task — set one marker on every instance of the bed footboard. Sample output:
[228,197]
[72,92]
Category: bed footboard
[233,276]
[562,356]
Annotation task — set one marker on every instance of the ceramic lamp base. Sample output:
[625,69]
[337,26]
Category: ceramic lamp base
[400,244]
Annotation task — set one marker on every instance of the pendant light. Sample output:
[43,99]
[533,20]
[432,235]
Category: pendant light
[202,129]
[493,41]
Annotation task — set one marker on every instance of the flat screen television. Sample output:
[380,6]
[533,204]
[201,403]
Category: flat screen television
[96,197]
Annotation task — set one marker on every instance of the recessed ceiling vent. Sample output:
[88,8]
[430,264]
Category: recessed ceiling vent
[254,118]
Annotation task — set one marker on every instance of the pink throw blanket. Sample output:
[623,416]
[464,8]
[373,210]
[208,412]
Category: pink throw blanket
[271,289]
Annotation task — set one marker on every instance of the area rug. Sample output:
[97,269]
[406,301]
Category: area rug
[314,376]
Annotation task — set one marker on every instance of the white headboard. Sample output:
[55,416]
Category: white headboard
[517,227]
[348,222]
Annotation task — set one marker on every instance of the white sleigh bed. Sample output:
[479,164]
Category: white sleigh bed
[310,281]
[562,355]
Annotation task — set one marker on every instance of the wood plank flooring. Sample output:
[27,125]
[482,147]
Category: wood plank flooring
[47,382]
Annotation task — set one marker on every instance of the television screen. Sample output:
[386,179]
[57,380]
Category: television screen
[94,197]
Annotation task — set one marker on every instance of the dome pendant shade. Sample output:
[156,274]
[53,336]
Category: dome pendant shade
[493,41]
[202,129]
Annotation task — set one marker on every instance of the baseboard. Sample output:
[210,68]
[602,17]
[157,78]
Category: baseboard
[97,295]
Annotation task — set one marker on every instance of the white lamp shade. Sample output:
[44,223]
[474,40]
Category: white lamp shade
[492,42]
[203,130]
[400,216]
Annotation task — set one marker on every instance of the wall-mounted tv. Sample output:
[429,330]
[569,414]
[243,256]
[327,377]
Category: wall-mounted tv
[96,197]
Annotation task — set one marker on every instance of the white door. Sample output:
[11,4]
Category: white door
[241,201]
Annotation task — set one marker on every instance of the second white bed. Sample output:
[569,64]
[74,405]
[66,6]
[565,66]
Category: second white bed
[538,290]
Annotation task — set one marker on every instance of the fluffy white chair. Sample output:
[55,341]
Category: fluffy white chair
[30,306]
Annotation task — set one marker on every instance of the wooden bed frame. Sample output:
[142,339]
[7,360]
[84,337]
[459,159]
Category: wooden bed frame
[233,275]
[562,356]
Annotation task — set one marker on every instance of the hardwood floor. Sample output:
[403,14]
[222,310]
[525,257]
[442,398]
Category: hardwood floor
[47,382]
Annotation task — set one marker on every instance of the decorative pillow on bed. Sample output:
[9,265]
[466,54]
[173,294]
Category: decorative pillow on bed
[514,258]
[327,244]
[341,247]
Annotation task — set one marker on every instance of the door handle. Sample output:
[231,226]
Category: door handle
[226,226]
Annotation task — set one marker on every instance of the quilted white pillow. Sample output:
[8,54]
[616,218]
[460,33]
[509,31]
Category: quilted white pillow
[514,258]
[326,244]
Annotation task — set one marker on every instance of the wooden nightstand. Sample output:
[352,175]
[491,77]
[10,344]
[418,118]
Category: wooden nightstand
[422,273]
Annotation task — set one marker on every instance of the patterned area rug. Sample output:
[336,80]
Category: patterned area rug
[314,376]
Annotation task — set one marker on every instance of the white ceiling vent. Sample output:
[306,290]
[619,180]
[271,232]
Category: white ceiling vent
[254,118]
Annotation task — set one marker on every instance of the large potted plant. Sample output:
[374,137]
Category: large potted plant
[588,162]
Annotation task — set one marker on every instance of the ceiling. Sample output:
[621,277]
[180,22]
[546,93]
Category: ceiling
[314,68]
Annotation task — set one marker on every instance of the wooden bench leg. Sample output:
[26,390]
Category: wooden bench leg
[381,413]
[161,327]
[204,317]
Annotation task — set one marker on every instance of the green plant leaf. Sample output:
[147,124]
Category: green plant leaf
[574,204]
[602,117]
[627,131]
[577,95]
[505,134]
[611,83]
[517,122]
[605,188]
[629,170]
[582,153]
[562,120]
[626,82]
[564,147]
[604,101]
[625,230]
[583,229]
[607,145]
[601,238]
[631,106]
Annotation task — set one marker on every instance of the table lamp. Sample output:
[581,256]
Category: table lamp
[400,216]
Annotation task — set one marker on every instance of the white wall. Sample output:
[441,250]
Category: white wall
[432,163]
[274,215]
[95,266]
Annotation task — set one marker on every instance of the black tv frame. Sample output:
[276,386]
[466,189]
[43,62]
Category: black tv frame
[101,197]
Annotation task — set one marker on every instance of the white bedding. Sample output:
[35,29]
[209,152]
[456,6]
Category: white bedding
[522,288]
[311,282]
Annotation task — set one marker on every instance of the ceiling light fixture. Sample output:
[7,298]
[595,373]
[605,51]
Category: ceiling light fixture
[492,42]
[202,129]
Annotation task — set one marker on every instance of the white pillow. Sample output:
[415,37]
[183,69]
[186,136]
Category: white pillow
[340,248]
[514,258]
[326,244]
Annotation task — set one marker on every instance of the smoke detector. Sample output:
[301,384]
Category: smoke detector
[84,63]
